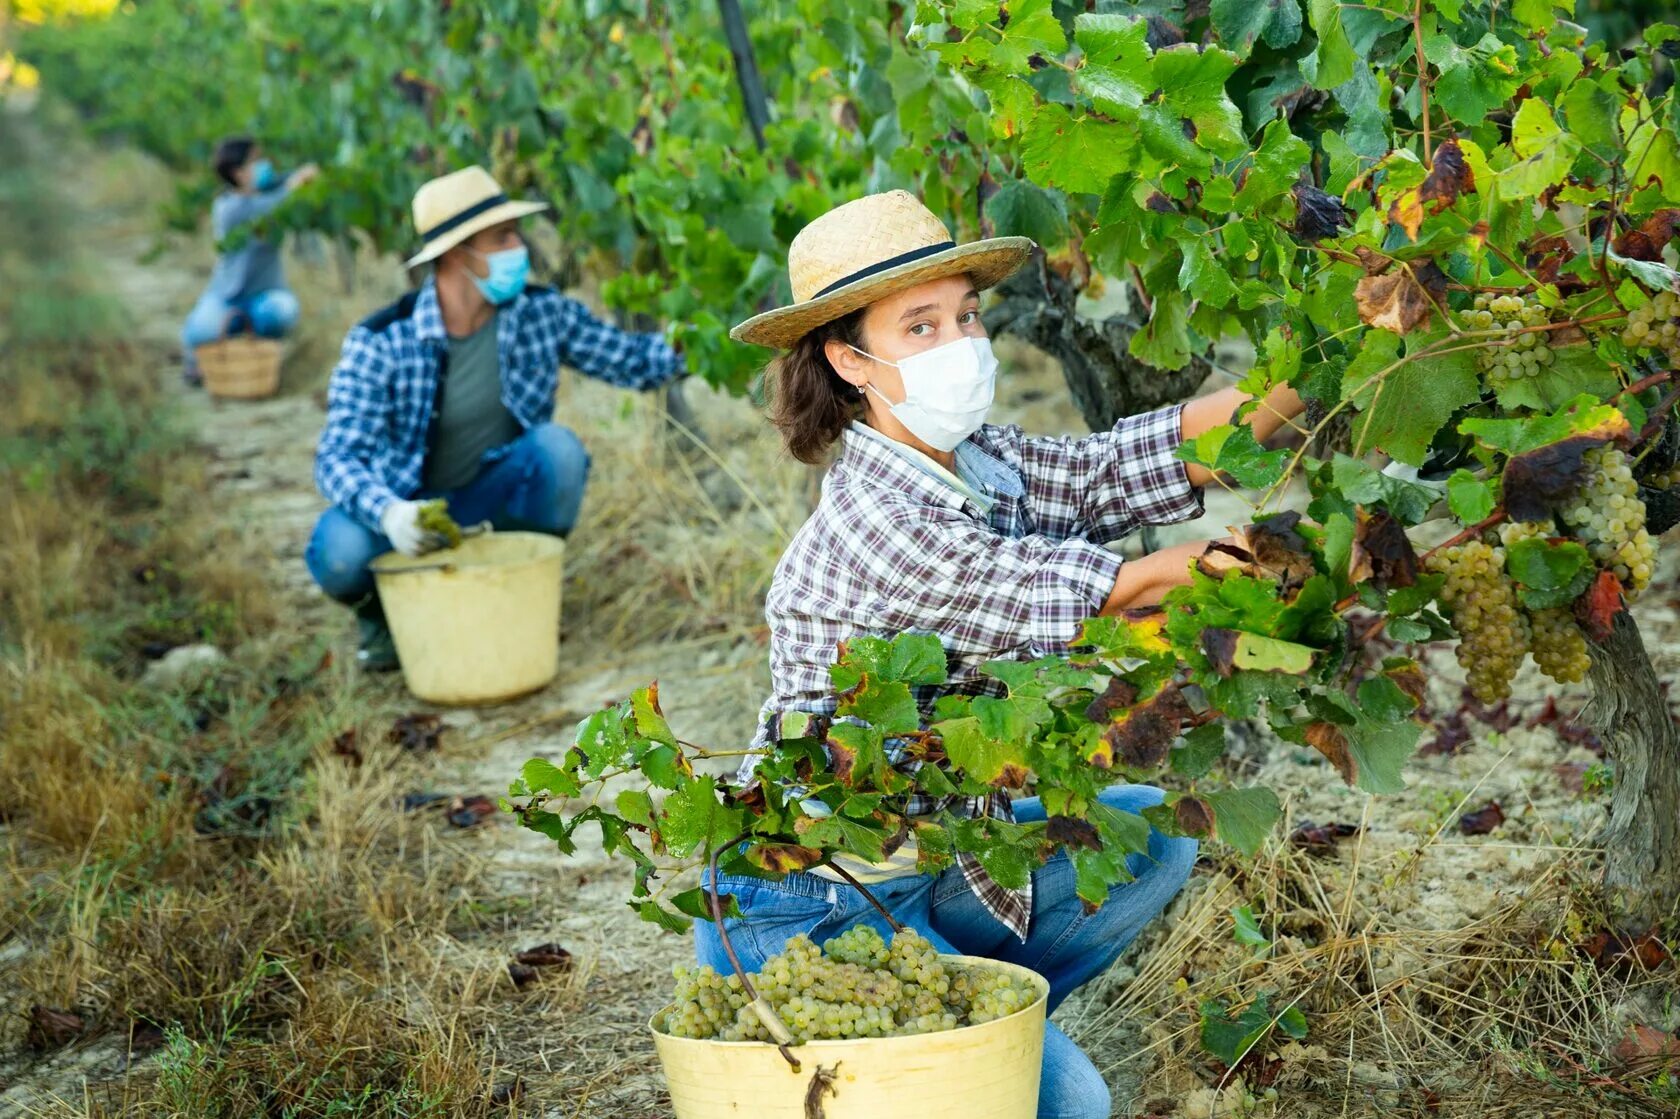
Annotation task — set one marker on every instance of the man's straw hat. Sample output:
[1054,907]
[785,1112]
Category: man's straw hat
[451,208]
[869,249]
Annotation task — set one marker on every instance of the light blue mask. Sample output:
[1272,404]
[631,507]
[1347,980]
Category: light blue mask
[264,176]
[508,271]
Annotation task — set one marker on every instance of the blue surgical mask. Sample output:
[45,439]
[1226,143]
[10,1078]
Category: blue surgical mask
[264,176]
[508,271]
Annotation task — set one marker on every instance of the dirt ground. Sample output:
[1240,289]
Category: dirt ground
[661,583]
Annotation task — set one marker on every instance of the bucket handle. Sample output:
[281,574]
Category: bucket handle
[760,1005]
[482,528]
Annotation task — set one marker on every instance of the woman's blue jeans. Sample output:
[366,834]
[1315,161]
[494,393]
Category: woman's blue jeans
[267,314]
[536,486]
[1066,945]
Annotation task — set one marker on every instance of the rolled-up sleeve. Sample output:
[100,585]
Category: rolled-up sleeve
[1103,486]
[985,595]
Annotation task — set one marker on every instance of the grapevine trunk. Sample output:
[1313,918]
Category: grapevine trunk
[1642,840]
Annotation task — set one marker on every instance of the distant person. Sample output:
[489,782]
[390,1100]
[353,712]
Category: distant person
[449,392]
[247,291]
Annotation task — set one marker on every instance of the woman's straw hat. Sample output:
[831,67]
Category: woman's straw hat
[451,208]
[866,250]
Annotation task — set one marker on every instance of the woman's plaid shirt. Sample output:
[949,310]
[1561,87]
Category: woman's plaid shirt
[891,549]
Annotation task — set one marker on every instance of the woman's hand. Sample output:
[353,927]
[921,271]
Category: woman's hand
[1144,581]
[1280,406]
[302,175]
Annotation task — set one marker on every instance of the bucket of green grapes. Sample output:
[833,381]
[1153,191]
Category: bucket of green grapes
[859,1028]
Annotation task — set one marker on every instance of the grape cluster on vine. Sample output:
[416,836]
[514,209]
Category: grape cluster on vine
[1524,352]
[1492,628]
[857,985]
[1556,641]
[1656,326]
[1606,515]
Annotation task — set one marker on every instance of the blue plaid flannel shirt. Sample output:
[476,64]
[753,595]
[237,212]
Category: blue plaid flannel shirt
[382,400]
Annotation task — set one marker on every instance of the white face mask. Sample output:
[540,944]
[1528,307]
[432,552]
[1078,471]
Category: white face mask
[947,391]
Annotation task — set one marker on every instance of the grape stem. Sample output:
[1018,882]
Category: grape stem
[1474,530]
[761,1006]
[871,898]
[1646,382]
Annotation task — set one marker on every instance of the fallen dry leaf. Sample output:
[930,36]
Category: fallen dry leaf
[1483,820]
[468,812]
[1613,951]
[1321,839]
[417,733]
[52,1028]
[344,746]
[1646,1047]
[545,955]
[523,975]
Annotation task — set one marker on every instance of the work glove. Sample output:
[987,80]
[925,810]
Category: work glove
[401,525]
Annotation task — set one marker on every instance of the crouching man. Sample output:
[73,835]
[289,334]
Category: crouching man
[450,391]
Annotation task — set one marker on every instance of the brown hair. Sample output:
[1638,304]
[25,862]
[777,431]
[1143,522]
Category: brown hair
[810,404]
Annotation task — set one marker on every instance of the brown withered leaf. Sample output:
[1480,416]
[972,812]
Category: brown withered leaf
[1279,551]
[344,746]
[1409,678]
[1071,831]
[1221,557]
[842,759]
[1449,176]
[1321,839]
[1382,552]
[1647,1049]
[51,1027]
[417,733]
[1483,820]
[1143,735]
[1613,951]
[1328,739]
[1194,815]
[1118,696]
[1647,241]
[1317,215]
[523,975]
[470,811]
[545,955]
[1598,606]
[1219,645]
[783,858]
[1535,481]
[1403,299]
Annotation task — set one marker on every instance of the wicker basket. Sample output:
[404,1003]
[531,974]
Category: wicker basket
[241,367]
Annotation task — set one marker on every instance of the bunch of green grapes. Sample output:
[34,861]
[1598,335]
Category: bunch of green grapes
[435,520]
[1556,642]
[1524,352]
[1493,631]
[857,985]
[1656,326]
[1607,516]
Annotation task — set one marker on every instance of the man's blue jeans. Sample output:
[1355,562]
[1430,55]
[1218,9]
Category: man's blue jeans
[536,486]
[1064,944]
[268,314]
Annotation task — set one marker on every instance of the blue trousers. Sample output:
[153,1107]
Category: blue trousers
[1064,944]
[268,314]
[535,486]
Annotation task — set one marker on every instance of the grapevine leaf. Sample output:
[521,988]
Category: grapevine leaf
[1193,104]
[1653,274]
[1596,610]
[650,721]
[1200,747]
[1232,650]
[1013,720]
[1549,573]
[1191,816]
[1331,741]
[856,754]
[981,756]
[1078,155]
[1238,23]
[1119,695]
[1647,240]
[1548,152]
[838,833]
[1232,449]
[783,858]
[1536,481]
[1204,276]
[1403,299]
[1333,61]
[654,913]
[1229,1035]
[1020,209]
[1115,74]
[1244,817]
[1142,734]
[1469,497]
[1277,163]
[1382,553]
[697,903]
[693,817]
[1380,750]
[542,775]
[1363,484]
[1246,928]
[934,851]
[1072,832]
[666,766]
[636,806]
[1582,416]
[1317,214]
[1404,403]
[887,706]
[1590,111]
[1449,176]
[1473,81]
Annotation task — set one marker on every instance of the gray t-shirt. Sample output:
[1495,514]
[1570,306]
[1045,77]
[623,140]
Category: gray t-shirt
[254,267]
[472,420]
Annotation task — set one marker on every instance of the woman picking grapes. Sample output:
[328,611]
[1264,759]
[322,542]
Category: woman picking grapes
[933,521]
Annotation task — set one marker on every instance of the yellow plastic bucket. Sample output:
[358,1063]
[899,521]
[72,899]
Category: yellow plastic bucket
[479,623]
[988,1070]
